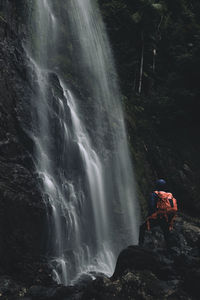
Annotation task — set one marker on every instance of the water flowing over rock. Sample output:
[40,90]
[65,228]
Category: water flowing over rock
[81,148]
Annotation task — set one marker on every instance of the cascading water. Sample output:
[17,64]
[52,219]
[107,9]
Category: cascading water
[81,149]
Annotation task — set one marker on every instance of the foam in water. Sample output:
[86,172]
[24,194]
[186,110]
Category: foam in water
[94,212]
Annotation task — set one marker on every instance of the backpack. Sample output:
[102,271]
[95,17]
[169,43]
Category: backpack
[166,202]
[166,208]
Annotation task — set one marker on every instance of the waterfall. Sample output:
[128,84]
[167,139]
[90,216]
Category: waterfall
[81,148]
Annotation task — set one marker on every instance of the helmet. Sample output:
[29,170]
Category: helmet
[160,183]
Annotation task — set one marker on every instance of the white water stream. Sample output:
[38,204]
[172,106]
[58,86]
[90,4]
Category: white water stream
[86,172]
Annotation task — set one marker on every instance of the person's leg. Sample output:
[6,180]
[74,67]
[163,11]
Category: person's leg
[172,239]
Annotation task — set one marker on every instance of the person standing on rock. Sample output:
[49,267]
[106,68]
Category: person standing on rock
[162,211]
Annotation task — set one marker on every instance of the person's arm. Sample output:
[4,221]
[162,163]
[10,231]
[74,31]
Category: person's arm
[153,203]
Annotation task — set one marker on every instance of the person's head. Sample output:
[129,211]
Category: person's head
[160,184]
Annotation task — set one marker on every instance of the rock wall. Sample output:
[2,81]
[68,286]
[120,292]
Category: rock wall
[162,121]
[22,211]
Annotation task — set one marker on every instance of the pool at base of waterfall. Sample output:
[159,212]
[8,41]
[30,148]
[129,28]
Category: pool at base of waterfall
[71,270]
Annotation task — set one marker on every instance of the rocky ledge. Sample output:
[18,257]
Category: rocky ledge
[153,271]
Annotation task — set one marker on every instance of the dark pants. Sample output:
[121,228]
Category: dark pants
[163,223]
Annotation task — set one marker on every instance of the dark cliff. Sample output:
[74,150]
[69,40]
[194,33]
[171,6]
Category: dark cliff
[22,211]
[162,117]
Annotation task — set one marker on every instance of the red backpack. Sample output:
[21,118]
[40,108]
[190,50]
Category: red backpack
[166,205]
[166,202]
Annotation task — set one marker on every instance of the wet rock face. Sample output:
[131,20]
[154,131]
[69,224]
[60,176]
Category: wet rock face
[16,14]
[22,212]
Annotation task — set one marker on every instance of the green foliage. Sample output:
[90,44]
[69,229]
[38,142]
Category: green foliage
[136,17]
[158,6]
[2,18]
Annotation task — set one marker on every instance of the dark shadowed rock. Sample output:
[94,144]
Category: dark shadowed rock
[167,271]
[137,258]
[192,282]
[22,210]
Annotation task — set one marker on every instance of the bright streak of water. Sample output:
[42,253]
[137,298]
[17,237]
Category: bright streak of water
[87,174]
